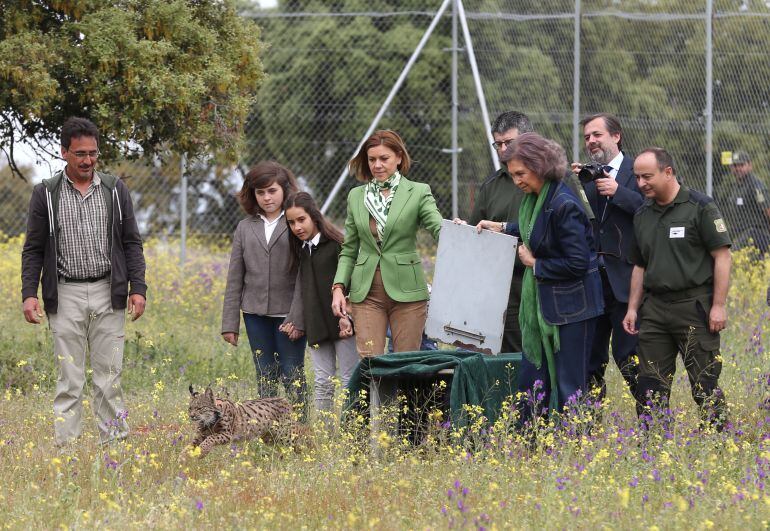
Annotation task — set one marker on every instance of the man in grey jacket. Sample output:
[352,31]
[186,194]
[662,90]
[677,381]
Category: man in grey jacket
[84,246]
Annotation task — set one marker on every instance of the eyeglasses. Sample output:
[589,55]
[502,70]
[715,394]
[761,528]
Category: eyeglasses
[83,154]
[506,143]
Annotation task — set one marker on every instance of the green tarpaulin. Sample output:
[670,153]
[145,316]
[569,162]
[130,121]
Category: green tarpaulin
[478,380]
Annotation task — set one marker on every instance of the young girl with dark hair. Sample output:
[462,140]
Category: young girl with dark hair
[261,283]
[316,245]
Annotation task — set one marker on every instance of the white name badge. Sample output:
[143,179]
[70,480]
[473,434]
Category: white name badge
[676,232]
[739,201]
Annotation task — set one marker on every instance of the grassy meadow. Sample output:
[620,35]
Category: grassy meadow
[487,477]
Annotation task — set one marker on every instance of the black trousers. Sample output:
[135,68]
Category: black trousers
[511,330]
[609,331]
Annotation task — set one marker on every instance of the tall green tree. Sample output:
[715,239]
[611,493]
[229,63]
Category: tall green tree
[154,75]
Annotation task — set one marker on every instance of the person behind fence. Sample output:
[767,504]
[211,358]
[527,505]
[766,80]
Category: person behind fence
[614,197]
[316,243]
[379,264]
[261,283]
[747,206]
[678,287]
[561,291]
[83,238]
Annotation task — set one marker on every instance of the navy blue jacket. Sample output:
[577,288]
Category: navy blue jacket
[566,267]
[615,228]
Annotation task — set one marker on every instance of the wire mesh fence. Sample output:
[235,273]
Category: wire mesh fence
[701,94]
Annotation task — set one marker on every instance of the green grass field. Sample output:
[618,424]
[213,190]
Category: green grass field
[488,477]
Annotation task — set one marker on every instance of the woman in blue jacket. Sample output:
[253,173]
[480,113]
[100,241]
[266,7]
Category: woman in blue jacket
[562,290]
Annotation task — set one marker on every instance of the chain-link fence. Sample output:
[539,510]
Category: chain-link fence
[685,75]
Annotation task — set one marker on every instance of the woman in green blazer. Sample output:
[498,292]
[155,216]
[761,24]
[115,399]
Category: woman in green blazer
[379,265]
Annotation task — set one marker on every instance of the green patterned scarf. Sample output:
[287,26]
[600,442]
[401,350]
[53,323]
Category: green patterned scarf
[537,335]
[377,205]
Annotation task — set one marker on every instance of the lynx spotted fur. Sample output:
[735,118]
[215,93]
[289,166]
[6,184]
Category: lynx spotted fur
[222,421]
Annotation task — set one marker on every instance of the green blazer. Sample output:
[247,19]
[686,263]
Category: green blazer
[413,206]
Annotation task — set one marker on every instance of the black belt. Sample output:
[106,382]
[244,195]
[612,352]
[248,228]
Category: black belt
[672,296]
[83,280]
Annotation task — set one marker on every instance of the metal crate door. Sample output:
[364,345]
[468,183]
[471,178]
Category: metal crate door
[471,285]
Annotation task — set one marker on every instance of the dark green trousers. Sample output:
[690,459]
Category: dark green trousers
[666,328]
[511,330]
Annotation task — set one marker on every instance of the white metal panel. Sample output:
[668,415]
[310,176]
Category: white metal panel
[471,285]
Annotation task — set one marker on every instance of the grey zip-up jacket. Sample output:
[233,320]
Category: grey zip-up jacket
[40,248]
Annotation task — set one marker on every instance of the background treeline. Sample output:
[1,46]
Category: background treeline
[330,65]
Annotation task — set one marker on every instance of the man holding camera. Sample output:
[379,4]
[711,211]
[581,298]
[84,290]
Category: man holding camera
[609,183]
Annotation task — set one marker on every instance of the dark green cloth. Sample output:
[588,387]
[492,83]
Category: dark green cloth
[674,242]
[478,380]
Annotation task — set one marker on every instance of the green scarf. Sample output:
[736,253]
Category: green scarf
[537,335]
[377,205]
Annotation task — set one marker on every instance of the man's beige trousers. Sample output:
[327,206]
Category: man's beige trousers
[86,324]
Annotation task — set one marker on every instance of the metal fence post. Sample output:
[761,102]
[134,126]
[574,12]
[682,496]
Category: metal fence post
[455,103]
[477,83]
[183,210]
[709,112]
[576,85]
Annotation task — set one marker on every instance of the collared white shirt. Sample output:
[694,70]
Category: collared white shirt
[615,164]
[312,243]
[270,226]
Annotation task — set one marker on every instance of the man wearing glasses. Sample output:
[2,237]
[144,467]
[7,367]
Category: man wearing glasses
[83,245]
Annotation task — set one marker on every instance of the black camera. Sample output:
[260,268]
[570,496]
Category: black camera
[591,172]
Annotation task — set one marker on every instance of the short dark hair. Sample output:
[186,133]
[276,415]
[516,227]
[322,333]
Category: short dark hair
[75,127]
[359,166]
[544,157]
[611,122]
[262,175]
[512,120]
[662,157]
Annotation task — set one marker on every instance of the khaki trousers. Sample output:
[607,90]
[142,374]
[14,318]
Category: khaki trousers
[86,323]
[372,315]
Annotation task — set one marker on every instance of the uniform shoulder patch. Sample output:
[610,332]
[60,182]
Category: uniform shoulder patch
[720,225]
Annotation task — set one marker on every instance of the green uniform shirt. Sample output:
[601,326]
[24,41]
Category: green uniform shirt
[745,210]
[499,199]
[674,242]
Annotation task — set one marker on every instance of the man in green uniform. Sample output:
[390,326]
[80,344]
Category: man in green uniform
[747,206]
[498,199]
[681,275]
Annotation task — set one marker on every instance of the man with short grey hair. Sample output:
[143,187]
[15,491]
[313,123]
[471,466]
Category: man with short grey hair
[84,246]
